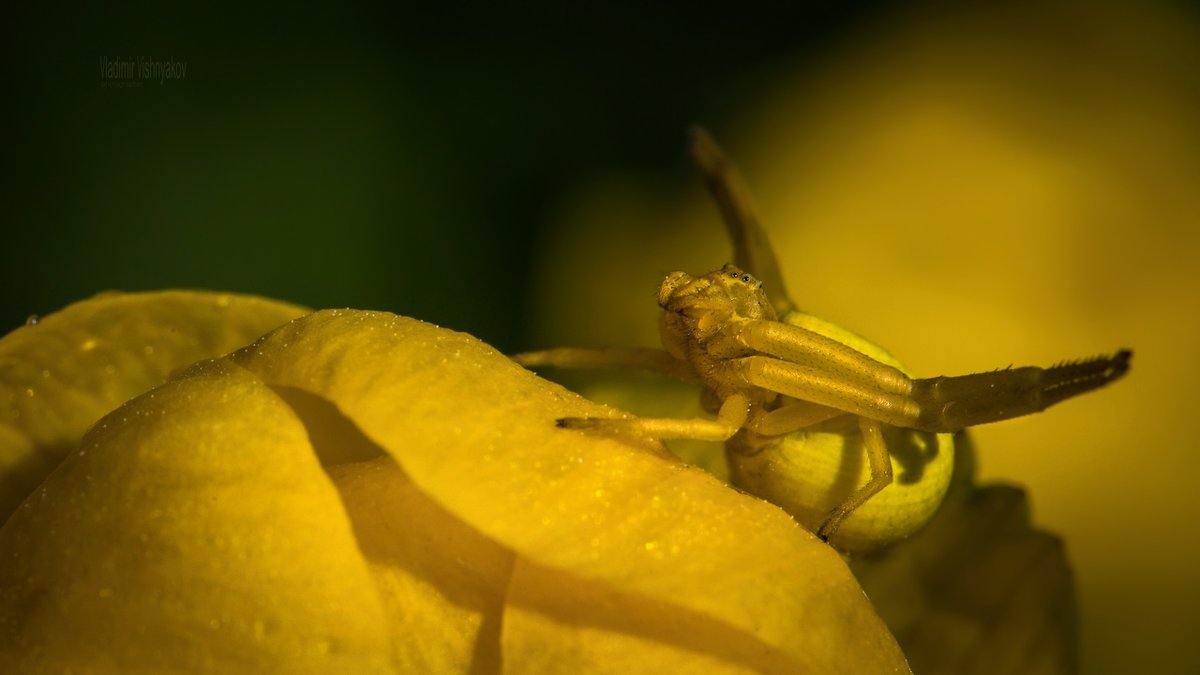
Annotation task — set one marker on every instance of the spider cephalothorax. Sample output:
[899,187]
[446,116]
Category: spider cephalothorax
[706,303]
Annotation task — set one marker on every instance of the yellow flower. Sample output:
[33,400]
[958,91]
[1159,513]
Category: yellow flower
[361,492]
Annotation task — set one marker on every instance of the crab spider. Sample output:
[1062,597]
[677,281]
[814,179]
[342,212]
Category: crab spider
[769,371]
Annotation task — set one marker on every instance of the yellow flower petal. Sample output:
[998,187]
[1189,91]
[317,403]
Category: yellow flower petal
[199,515]
[555,618]
[442,583]
[193,531]
[60,375]
[476,433]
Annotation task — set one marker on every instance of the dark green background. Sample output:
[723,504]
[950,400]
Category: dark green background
[403,160]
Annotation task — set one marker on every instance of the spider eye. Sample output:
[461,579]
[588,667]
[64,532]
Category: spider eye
[746,278]
[733,275]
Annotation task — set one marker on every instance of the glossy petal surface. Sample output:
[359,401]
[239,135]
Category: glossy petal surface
[476,433]
[61,374]
[360,492]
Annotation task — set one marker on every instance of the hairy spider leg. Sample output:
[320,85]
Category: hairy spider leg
[639,358]
[730,418]
[793,415]
[807,348]
[880,463]
[940,404]
[952,403]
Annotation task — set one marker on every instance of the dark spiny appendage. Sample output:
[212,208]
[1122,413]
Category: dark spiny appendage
[952,403]
[1072,378]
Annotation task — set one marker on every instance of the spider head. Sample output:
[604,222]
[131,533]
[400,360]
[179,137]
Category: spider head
[712,300]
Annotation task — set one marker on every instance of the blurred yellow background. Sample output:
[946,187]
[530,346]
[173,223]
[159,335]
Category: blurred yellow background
[972,189]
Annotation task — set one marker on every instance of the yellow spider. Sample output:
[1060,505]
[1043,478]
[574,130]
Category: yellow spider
[776,377]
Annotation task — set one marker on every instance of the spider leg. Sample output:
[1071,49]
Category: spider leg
[792,416]
[951,403]
[881,477]
[730,418]
[810,349]
[652,360]
[939,404]
[825,386]
[751,249]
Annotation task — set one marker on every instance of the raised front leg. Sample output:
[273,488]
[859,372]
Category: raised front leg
[751,249]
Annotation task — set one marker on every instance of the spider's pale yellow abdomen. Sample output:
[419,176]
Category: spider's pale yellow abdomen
[810,472]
